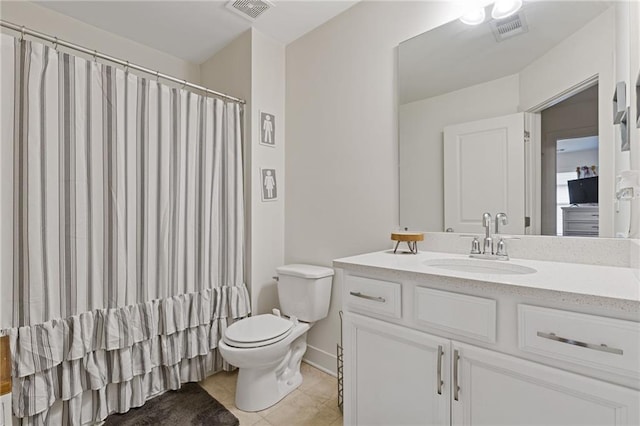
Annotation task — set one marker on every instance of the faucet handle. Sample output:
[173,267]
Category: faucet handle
[475,246]
[501,248]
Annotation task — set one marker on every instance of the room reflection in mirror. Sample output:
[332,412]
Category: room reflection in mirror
[511,116]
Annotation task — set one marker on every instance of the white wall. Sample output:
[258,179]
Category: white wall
[568,161]
[229,70]
[421,153]
[587,52]
[252,67]
[267,218]
[341,160]
[69,29]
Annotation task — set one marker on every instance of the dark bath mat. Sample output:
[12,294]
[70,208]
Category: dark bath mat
[190,405]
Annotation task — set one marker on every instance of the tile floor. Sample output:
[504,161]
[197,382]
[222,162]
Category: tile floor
[314,403]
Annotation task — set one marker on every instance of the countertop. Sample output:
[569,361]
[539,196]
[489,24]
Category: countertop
[616,285]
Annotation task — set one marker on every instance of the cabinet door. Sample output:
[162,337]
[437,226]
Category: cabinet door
[392,374]
[497,389]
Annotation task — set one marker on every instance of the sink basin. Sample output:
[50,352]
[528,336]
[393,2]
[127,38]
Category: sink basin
[478,266]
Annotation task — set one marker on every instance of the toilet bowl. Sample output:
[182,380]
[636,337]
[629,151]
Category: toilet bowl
[267,373]
[268,348]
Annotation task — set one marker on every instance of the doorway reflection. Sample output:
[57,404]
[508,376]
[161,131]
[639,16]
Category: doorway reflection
[569,132]
[576,158]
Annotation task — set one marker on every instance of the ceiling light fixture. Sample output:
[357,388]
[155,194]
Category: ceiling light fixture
[505,8]
[475,13]
[473,16]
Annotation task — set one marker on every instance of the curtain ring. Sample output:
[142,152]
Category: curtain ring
[55,44]
[95,56]
[184,83]
[22,33]
[126,67]
[157,76]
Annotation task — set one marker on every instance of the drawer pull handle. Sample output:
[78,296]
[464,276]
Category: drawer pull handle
[366,296]
[602,347]
[456,386]
[439,378]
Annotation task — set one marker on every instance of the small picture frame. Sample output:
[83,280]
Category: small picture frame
[267,129]
[269,184]
[625,132]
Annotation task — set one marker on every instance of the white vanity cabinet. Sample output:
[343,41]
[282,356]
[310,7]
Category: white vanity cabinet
[497,389]
[395,375]
[415,355]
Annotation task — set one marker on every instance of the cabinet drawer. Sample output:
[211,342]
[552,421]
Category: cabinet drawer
[461,314]
[580,233]
[581,226]
[607,344]
[368,295]
[582,215]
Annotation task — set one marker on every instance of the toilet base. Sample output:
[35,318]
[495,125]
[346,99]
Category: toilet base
[259,388]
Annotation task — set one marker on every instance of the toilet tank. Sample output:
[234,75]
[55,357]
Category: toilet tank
[304,291]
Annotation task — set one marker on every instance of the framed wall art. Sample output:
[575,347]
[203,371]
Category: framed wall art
[267,129]
[269,184]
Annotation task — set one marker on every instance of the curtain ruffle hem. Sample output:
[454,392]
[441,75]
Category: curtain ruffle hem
[141,349]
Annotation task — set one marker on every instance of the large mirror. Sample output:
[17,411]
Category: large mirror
[511,116]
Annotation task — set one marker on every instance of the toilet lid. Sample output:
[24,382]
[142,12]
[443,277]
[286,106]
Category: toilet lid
[259,330]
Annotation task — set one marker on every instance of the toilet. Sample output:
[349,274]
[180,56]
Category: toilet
[268,348]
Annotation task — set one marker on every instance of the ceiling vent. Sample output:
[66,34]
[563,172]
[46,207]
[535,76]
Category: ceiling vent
[509,27]
[249,9]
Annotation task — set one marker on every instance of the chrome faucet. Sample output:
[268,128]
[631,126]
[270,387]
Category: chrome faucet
[488,252]
[501,218]
[487,246]
[501,247]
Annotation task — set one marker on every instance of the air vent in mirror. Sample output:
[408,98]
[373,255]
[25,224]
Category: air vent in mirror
[249,9]
[509,27]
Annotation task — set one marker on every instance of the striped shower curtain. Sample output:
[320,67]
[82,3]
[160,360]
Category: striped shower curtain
[121,233]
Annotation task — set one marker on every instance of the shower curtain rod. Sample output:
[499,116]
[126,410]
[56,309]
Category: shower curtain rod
[57,42]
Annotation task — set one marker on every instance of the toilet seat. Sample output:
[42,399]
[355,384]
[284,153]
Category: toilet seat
[259,330]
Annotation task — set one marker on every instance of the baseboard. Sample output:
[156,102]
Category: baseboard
[322,360]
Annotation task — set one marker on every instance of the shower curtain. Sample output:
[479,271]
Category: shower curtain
[121,235]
